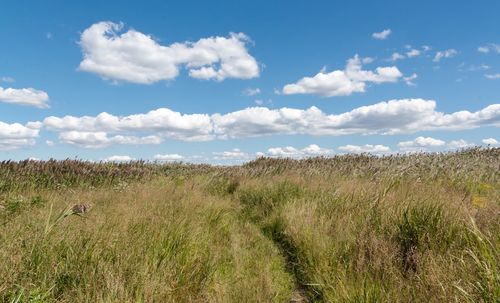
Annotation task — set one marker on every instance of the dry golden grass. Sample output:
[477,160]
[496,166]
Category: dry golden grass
[153,243]
[414,228]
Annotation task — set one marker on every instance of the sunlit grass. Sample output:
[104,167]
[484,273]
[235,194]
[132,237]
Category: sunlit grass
[413,228]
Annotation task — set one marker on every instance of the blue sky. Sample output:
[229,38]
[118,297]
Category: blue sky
[228,81]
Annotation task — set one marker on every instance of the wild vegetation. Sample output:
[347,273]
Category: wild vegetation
[354,228]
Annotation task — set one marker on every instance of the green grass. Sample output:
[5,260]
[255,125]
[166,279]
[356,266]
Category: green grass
[414,228]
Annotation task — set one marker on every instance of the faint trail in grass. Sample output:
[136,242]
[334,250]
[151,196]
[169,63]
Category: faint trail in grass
[304,291]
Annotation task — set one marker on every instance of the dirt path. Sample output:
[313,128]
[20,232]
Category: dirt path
[298,296]
[289,253]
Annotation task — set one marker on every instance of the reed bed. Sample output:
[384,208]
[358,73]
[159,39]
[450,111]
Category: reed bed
[352,228]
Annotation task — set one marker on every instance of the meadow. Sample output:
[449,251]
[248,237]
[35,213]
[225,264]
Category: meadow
[352,228]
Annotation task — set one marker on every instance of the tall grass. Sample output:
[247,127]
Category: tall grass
[403,228]
[157,242]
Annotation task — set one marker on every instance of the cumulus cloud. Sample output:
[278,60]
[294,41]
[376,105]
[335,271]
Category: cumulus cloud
[315,150]
[251,91]
[288,152]
[101,139]
[168,157]
[234,154]
[312,150]
[136,57]
[15,136]
[382,35]
[458,144]
[413,53]
[162,122]
[387,118]
[426,144]
[367,148]
[119,158]
[24,96]
[490,47]
[392,117]
[449,53]
[420,144]
[353,79]
[491,141]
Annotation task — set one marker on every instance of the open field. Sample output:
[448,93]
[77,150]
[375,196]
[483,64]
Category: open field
[412,228]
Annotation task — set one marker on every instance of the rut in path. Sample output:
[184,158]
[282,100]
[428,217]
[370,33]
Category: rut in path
[298,296]
[257,209]
[303,292]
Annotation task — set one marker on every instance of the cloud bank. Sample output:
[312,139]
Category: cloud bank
[387,118]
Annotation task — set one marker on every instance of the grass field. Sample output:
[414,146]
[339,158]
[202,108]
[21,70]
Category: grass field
[405,228]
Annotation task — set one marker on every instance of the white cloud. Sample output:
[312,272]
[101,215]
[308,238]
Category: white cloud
[312,150]
[389,118]
[24,96]
[430,144]
[409,80]
[457,144]
[397,56]
[49,143]
[449,53]
[382,35]
[367,148]
[251,91]
[426,48]
[101,139]
[162,122]
[413,53]
[168,157]
[490,47]
[135,57]
[392,117]
[352,79]
[233,154]
[288,151]
[420,144]
[410,53]
[491,141]
[493,76]
[118,158]
[15,136]
[315,150]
